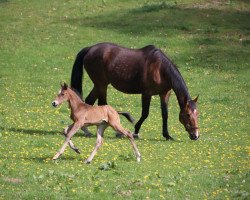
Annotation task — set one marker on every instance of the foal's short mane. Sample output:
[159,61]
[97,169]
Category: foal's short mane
[77,93]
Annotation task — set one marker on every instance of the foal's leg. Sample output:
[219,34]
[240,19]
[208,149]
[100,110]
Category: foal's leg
[164,112]
[145,99]
[99,92]
[71,144]
[71,132]
[90,99]
[117,126]
[99,141]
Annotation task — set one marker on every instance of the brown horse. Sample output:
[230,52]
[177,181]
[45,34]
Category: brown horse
[85,115]
[147,71]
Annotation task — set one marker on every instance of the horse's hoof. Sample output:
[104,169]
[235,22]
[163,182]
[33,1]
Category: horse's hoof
[135,136]
[169,138]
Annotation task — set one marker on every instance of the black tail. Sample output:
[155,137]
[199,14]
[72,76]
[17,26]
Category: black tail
[128,116]
[77,71]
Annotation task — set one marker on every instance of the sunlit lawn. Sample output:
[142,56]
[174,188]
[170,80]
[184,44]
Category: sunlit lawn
[208,40]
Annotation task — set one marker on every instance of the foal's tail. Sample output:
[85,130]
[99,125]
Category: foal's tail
[77,71]
[127,115]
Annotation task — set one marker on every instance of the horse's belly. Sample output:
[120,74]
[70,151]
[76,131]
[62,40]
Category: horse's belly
[129,86]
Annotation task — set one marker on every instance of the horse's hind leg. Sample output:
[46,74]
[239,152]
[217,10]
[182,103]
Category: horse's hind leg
[99,141]
[91,98]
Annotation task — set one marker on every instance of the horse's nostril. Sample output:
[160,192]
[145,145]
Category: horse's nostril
[194,137]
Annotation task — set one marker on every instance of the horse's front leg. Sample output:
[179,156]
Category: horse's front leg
[164,112]
[145,99]
[70,134]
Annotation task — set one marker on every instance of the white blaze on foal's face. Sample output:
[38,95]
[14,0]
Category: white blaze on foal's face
[61,97]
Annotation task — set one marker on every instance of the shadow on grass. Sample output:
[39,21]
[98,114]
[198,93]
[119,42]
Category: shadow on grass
[80,134]
[210,30]
[150,19]
[30,131]
[40,132]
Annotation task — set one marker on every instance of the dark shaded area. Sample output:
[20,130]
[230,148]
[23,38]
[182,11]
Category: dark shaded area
[152,18]
[29,131]
[209,28]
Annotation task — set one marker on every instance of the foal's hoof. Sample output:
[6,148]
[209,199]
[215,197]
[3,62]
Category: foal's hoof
[56,156]
[119,135]
[89,135]
[78,151]
[87,162]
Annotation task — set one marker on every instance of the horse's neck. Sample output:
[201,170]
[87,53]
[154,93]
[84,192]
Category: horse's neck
[179,87]
[74,101]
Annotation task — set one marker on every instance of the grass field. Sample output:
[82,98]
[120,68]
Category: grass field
[210,43]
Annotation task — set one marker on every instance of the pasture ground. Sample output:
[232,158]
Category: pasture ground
[208,40]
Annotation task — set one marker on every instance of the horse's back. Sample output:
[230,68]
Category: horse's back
[128,70]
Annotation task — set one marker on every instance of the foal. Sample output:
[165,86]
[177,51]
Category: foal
[85,115]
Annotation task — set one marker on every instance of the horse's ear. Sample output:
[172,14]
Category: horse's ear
[196,99]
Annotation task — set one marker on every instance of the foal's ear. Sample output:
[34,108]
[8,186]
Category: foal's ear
[196,99]
[64,86]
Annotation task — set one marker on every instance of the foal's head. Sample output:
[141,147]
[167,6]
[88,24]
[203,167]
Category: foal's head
[62,96]
[189,118]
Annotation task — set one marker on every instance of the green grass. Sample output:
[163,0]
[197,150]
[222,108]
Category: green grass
[208,40]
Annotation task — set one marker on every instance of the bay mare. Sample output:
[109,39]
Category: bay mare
[85,115]
[146,71]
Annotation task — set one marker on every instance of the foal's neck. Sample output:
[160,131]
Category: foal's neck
[74,100]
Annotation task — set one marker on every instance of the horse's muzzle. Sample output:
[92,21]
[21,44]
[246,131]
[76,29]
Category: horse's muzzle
[193,137]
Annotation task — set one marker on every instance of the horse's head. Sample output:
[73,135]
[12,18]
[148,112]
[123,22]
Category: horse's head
[189,118]
[62,96]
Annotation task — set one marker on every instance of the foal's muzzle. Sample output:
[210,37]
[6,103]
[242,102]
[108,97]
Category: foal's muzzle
[54,104]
